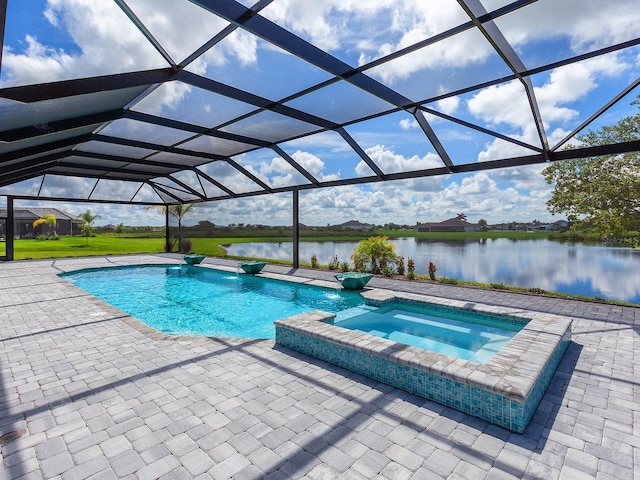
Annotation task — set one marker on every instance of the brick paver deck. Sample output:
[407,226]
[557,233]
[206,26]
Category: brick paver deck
[87,393]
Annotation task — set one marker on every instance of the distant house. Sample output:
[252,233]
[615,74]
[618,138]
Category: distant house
[559,225]
[23,218]
[450,225]
[537,226]
[355,225]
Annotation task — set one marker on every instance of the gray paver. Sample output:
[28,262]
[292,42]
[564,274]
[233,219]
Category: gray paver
[97,395]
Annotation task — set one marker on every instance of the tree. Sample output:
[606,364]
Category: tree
[483,225]
[378,252]
[49,219]
[177,211]
[600,192]
[87,225]
[120,228]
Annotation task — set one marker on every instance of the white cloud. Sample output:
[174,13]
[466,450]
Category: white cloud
[331,24]
[239,45]
[506,103]
[279,173]
[168,25]
[467,48]
[309,19]
[588,24]
[505,107]
[38,62]
[525,178]
[408,123]
[314,165]
[169,96]
[448,105]
[107,40]
[496,196]
[390,162]
[369,30]
[229,177]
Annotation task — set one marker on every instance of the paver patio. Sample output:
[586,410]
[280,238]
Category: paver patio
[87,392]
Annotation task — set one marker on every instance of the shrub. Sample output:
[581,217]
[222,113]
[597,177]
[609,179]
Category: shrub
[334,264]
[400,265]
[536,291]
[184,246]
[345,266]
[450,281]
[377,252]
[359,263]
[387,270]
[411,269]
[432,270]
[499,286]
[314,261]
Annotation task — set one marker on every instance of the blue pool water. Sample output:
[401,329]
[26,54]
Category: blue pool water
[457,333]
[186,300]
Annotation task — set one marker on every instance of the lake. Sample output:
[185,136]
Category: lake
[578,269]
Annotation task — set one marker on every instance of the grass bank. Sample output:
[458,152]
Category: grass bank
[112,245]
[78,247]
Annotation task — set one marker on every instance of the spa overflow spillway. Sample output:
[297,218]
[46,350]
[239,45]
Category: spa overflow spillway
[199,301]
[505,390]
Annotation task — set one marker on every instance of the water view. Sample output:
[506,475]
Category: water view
[592,270]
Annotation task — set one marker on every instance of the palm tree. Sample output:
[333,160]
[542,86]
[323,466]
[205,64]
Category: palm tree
[87,226]
[49,219]
[177,211]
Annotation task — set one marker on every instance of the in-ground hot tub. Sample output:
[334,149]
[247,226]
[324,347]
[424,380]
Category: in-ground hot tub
[504,391]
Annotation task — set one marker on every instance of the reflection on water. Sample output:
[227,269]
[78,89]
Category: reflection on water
[590,270]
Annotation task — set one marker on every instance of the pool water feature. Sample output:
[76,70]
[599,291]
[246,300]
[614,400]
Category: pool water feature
[461,334]
[200,301]
[504,391]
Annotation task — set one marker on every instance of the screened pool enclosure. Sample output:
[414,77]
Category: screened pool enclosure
[166,102]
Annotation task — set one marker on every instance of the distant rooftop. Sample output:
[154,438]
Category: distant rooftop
[37,212]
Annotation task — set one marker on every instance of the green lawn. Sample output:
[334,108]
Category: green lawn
[111,245]
[78,247]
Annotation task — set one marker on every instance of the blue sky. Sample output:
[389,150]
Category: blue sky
[49,40]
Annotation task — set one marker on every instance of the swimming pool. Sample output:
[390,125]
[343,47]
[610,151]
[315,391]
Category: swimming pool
[194,300]
[458,333]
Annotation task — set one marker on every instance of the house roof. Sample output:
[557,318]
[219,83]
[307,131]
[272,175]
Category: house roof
[190,125]
[451,222]
[33,213]
[354,223]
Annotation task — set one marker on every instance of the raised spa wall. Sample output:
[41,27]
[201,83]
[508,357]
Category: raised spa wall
[505,391]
